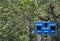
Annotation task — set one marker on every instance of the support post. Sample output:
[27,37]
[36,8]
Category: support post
[49,37]
[39,37]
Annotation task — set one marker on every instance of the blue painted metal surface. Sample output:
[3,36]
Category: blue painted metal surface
[45,28]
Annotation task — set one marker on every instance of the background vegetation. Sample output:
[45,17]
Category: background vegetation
[17,18]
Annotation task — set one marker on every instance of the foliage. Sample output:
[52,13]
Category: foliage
[16,14]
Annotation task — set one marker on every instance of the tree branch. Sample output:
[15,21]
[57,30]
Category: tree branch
[45,18]
[57,16]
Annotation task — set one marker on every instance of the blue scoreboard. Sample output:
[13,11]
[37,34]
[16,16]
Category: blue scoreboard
[45,28]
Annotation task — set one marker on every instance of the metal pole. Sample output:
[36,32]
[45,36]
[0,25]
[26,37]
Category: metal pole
[39,37]
[49,38]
